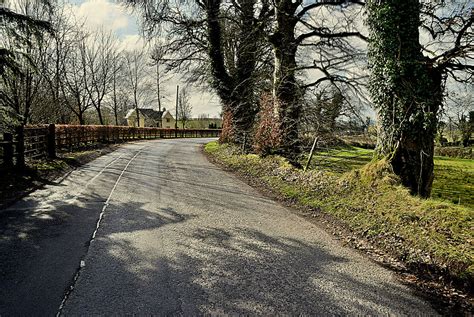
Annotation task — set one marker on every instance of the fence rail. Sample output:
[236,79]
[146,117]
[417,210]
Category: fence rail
[38,141]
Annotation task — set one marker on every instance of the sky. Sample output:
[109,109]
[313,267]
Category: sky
[122,21]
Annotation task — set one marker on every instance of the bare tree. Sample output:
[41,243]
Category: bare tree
[118,83]
[157,57]
[74,79]
[297,25]
[98,54]
[137,78]
[184,106]
[52,55]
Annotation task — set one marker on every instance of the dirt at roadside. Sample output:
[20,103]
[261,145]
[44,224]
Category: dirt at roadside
[16,184]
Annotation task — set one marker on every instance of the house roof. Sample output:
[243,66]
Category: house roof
[167,113]
[148,112]
[129,113]
[152,113]
[206,119]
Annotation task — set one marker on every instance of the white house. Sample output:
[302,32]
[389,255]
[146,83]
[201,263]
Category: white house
[168,121]
[150,118]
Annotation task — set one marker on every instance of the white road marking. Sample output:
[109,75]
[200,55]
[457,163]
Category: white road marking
[106,204]
[82,263]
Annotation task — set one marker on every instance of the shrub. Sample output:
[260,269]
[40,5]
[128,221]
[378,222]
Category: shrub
[227,134]
[455,152]
[267,137]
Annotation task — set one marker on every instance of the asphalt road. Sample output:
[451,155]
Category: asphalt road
[176,235]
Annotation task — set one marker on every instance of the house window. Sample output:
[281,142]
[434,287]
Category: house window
[167,119]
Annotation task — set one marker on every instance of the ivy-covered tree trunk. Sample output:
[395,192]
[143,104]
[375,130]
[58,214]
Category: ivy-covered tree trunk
[285,89]
[245,109]
[406,91]
[236,90]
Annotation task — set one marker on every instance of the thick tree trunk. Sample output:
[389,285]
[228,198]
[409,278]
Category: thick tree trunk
[413,162]
[407,92]
[221,80]
[236,91]
[286,92]
[245,105]
[412,159]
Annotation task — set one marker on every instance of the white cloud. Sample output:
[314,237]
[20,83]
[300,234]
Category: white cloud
[102,14]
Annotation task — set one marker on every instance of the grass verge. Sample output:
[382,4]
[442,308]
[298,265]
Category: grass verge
[432,238]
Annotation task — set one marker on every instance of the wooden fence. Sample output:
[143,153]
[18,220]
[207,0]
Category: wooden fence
[38,141]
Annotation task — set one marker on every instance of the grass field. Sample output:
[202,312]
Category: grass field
[454,177]
[454,180]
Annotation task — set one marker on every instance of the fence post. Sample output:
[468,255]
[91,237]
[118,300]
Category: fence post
[8,150]
[20,147]
[52,141]
[311,154]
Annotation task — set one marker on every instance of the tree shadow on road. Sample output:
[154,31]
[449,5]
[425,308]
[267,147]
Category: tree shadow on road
[237,271]
[41,248]
[254,273]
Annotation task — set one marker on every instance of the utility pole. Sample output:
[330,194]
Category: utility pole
[176,118]
[158,91]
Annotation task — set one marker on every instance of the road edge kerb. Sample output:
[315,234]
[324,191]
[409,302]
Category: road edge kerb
[433,292]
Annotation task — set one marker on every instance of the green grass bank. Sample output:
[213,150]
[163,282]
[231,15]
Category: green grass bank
[430,236]
[454,177]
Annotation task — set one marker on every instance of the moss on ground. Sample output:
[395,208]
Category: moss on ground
[49,165]
[430,233]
